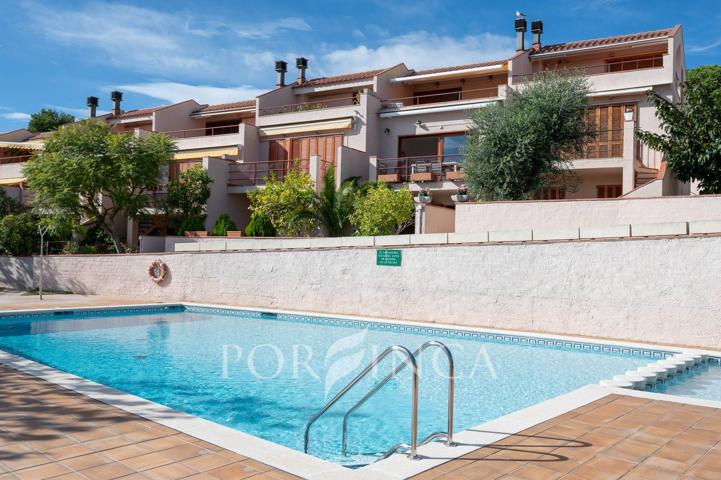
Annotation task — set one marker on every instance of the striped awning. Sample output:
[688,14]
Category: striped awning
[216,152]
[310,127]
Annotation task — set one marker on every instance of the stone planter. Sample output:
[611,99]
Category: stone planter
[234,233]
[459,198]
[424,199]
[196,233]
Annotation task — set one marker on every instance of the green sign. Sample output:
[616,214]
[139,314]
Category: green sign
[388,258]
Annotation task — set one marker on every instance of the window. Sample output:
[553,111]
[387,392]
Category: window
[436,96]
[450,148]
[608,191]
[553,193]
[608,122]
[453,148]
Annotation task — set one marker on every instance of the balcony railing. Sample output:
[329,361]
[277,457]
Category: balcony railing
[442,97]
[310,106]
[602,68]
[429,168]
[252,173]
[204,131]
[605,144]
[15,159]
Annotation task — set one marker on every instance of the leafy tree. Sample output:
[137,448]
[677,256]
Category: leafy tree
[691,131]
[8,204]
[382,211]
[514,148]
[190,224]
[287,203]
[19,234]
[47,120]
[188,196]
[223,224]
[88,175]
[260,226]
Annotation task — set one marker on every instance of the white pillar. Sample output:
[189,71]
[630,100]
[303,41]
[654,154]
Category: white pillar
[315,168]
[372,168]
[629,152]
[420,218]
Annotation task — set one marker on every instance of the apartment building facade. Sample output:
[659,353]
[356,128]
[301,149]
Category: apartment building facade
[407,127]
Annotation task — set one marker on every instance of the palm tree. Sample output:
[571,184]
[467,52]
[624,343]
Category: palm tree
[332,206]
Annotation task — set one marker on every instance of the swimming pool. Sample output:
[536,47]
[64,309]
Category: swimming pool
[266,374]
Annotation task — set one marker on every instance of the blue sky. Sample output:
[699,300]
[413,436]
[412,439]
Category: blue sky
[55,54]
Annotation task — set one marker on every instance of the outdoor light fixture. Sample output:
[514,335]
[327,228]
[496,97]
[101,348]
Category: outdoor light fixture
[387,131]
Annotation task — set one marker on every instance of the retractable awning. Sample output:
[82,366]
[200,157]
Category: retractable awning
[310,127]
[22,145]
[8,182]
[216,152]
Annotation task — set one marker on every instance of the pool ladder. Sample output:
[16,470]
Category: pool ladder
[410,359]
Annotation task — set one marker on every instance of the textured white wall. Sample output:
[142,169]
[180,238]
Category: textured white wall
[480,217]
[664,290]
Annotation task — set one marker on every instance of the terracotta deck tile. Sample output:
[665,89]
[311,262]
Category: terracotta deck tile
[86,461]
[108,472]
[169,472]
[43,472]
[234,471]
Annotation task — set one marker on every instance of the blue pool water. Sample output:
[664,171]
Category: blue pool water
[266,375]
[702,382]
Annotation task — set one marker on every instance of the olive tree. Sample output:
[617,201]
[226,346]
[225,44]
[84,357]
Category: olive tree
[87,175]
[515,148]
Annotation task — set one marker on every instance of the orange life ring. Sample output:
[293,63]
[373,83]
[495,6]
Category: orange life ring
[157,271]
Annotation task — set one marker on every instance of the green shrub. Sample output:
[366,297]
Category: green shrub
[190,224]
[222,225]
[382,211]
[260,226]
[19,234]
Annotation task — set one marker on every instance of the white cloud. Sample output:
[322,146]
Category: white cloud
[24,117]
[703,48]
[173,92]
[419,50]
[151,41]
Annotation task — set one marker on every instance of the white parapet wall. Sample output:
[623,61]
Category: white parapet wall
[553,214]
[654,289]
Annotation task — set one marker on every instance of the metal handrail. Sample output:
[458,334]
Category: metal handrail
[413,447]
[451,387]
[460,94]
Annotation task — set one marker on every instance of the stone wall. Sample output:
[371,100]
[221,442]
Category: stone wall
[655,290]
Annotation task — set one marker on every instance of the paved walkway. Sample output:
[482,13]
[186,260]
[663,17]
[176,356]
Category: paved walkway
[10,300]
[617,437]
[47,432]
[50,432]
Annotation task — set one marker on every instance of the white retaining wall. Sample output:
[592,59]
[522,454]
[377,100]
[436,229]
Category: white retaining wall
[480,217]
[662,290]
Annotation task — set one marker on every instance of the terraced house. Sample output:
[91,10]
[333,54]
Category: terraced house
[406,126]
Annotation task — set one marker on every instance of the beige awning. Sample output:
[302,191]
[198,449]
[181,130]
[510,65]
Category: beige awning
[217,152]
[12,181]
[310,127]
[22,145]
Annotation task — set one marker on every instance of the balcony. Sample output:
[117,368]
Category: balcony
[255,173]
[430,168]
[321,104]
[11,168]
[639,73]
[229,129]
[457,99]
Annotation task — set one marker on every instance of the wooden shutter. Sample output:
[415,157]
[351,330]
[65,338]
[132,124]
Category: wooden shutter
[607,121]
[608,191]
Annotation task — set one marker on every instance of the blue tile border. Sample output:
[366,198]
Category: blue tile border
[442,332]
[352,323]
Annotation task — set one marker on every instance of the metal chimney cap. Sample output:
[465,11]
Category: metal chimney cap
[521,24]
[537,26]
[301,62]
[92,101]
[281,66]
[116,95]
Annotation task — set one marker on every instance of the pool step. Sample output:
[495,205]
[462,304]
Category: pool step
[657,372]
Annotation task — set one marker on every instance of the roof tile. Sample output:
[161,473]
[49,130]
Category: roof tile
[343,78]
[220,107]
[598,42]
[459,67]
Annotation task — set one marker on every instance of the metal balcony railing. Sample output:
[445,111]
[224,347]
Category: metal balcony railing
[602,68]
[204,131]
[428,168]
[253,173]
[442,97]
[311,105]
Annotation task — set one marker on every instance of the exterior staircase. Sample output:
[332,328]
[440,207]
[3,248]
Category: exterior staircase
[645,175]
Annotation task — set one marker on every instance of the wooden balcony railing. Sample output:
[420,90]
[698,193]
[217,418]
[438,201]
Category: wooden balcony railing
[430,168]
